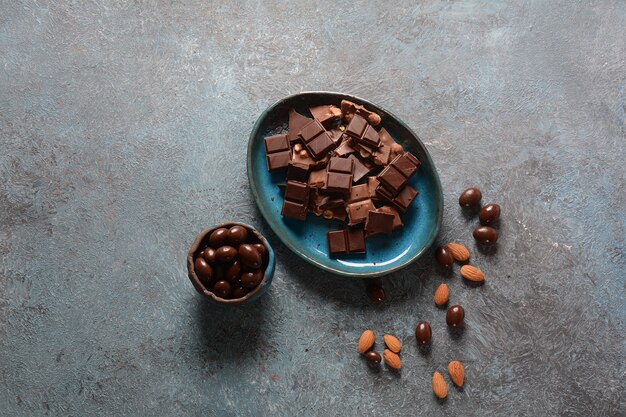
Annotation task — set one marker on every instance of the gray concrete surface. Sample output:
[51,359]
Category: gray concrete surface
[122,134]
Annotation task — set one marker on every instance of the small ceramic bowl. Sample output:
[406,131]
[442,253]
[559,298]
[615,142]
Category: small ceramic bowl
[259,290]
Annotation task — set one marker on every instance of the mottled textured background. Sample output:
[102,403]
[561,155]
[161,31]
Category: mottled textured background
[123,128]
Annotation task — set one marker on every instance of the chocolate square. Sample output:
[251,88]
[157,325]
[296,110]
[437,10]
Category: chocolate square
[338,182]
[320,145]
[370,137]
[344,165]
[276,143]
[406,164]
[392,178]
[296,123]
[311,131]
[405,197]
[337,242]
[294,210]
[357,126]
[278,160]
[359,192]
[297,191]
[356,241]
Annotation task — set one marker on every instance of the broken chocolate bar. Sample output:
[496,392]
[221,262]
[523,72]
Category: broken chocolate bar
[342,242]
[402,201]
[277,152]
[339,177]
[296,200]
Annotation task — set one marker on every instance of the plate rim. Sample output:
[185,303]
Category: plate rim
[297,251]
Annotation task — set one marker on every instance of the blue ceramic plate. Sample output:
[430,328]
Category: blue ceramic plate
[385,254]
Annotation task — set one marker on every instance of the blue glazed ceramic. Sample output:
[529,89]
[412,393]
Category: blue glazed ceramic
[385,254]
[201,241]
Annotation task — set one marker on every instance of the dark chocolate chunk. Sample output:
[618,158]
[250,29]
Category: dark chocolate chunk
[395,148]
[345,148]
[357,127]
[317,178]
[397,173]
[277,152]
[298,172]
[370,137]
[336,136]
[404,199]
[296,123]
[296,200]
[311,131]
[342,242]
[361,169]
[327,115]
[339,175]
[378,223]
[397,220]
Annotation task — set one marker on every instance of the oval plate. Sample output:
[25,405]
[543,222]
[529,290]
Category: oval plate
[385,254]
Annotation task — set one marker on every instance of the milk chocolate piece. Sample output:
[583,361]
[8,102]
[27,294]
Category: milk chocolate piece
[296,123]
[297,171]
[316,139]
[381,155]
[395,148]
[372,184]
[349,109]
[378,223]
[346,147]
[361,169]
[336,136]
[335,213]
[359,193]
[296,200]
[327,115]
[277,152]
[317,178]
[397,220]
[357,211]
[397,173]
[341,242]
[339,178]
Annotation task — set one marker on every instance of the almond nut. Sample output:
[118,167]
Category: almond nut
[457,373]
[459,252]
[439,386]
[392,360]
[472,273]
[366,341]
[392,343]
[441,294]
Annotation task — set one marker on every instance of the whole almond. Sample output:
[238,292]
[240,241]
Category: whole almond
[439,386]
[472,273]
[459,252]
[457,373]
[392,360]
[392,343]
[441,294]
[366,341]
